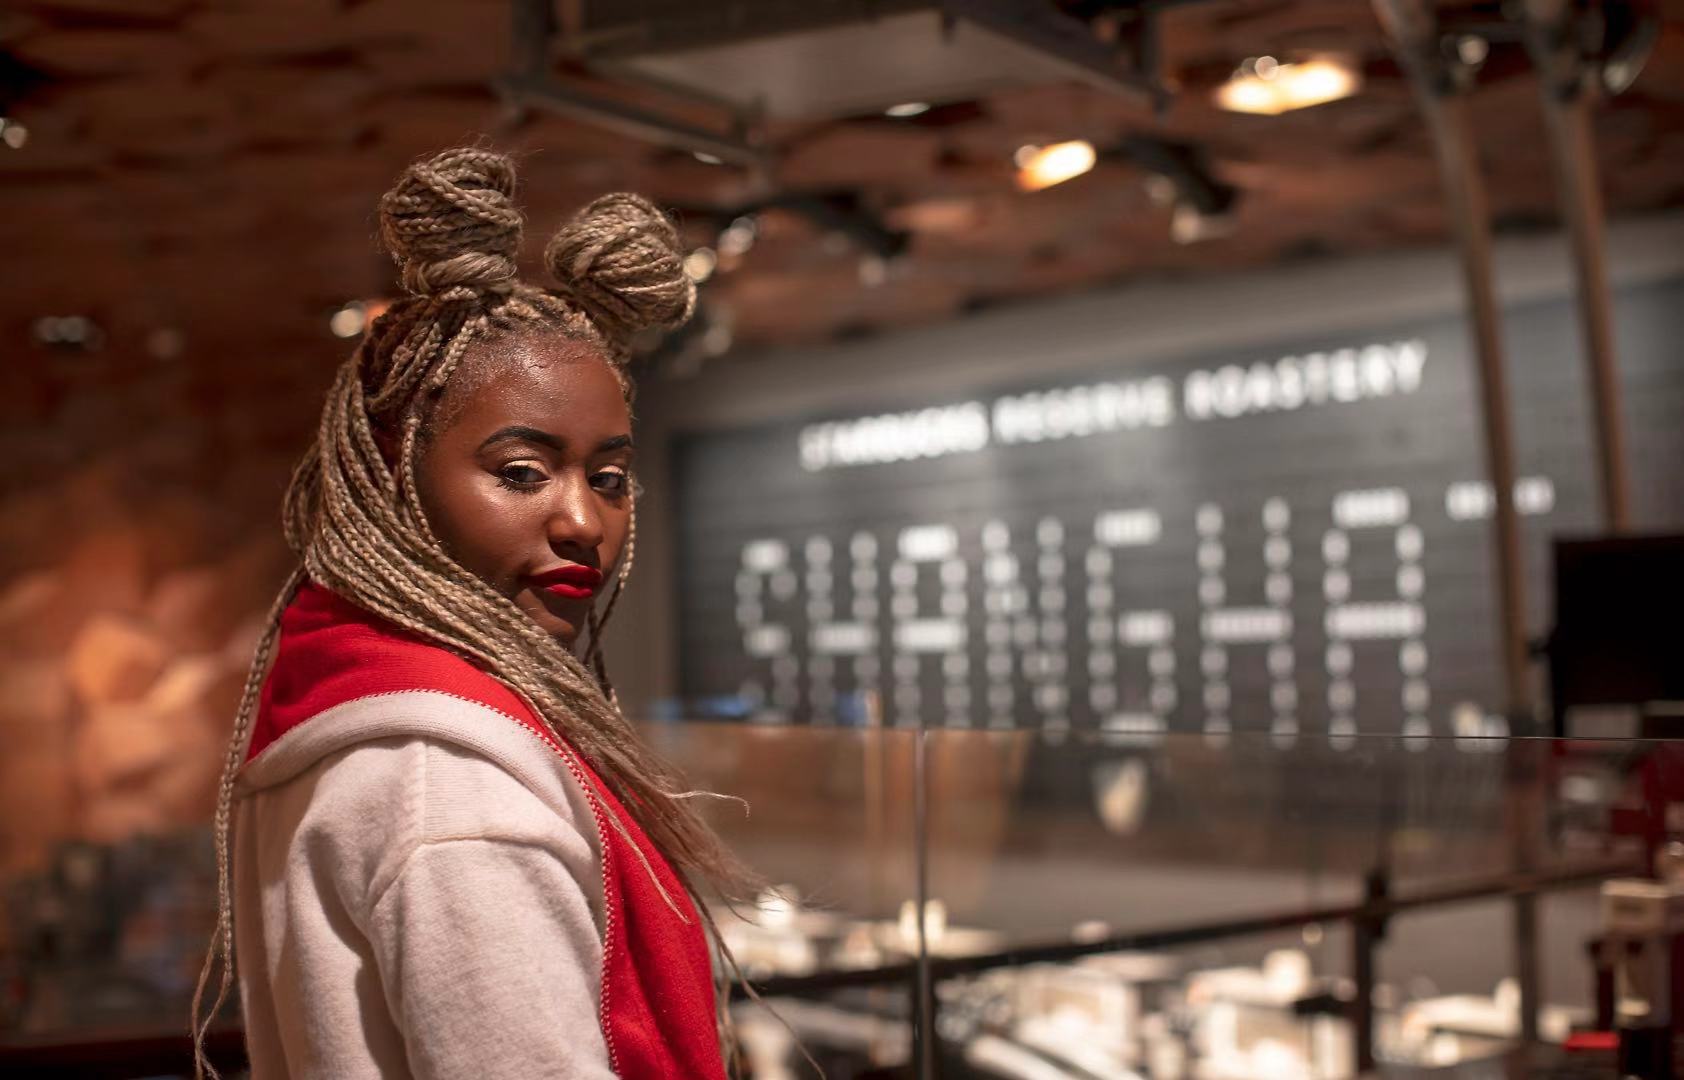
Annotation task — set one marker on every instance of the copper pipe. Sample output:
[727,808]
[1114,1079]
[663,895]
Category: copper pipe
[1568,87]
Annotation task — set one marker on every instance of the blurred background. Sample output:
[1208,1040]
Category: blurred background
[1220,456]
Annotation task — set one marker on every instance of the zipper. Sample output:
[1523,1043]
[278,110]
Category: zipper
[610,898]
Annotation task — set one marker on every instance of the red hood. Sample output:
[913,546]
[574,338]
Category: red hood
[331,651]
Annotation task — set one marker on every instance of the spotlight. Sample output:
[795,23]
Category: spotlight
[1178,176]
[706,158]
[1266,87]
[738,236]
[349,321]
[1189,225]
[700,264]
[1160,189]
[12,133]
[1628,37]
[356,317]
[907,109]
[1043,166]
[1472,49]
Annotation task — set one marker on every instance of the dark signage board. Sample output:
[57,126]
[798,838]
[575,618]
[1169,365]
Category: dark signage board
[1290,538]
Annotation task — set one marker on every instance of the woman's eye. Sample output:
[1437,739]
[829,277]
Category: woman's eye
[521,475]
[611,482]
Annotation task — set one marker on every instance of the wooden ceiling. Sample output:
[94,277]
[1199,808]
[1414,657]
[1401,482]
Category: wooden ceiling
[199,176]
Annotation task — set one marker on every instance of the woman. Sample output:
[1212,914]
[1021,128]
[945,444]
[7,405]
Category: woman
[452,856]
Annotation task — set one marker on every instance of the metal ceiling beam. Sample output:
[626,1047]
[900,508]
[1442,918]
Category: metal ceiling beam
[628,120]
[532,85]
[1068,42]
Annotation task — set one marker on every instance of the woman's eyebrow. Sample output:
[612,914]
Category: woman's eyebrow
[528,434]
[617,442]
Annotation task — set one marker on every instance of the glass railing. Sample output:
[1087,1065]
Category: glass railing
[1167,907]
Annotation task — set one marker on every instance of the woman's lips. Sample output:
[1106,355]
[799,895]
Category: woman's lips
[574,582]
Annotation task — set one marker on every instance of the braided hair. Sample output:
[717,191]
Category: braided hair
[356,523]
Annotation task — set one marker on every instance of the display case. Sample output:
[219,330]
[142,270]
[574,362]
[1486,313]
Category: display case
[1093,905]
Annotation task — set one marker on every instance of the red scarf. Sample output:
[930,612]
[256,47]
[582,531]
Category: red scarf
[657,1008]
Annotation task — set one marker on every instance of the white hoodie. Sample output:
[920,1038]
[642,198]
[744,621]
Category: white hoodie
[418,892]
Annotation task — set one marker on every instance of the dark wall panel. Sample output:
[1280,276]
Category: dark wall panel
[1304,566]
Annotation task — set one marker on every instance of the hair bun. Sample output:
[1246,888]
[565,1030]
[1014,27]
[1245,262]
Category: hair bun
[621,261]
[450,221]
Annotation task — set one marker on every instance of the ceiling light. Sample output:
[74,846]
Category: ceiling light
[1266,87]
[1160,189]
[907,109]
[699,264]
[1043,166]
[348,321]
[1187,225]
[356,317]
[12,133]
[738,237]
[706,158]
[1472,49]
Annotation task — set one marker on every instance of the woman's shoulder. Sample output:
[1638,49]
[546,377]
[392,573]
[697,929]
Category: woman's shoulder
[363,811]
[428,790]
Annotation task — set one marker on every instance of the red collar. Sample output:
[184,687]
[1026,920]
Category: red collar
[331,651]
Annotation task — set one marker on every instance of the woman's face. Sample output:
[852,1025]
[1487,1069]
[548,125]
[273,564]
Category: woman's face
[528,481]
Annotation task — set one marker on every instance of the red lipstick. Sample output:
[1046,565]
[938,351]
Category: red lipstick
[573,581]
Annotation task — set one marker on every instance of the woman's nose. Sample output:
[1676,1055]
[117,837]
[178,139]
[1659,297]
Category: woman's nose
[575,520]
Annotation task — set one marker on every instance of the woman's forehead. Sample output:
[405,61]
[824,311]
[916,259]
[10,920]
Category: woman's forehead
[547,381]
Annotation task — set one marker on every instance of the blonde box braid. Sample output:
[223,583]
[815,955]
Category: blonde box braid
[357,524]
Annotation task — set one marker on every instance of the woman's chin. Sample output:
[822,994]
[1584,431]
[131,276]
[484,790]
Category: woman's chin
[563,618]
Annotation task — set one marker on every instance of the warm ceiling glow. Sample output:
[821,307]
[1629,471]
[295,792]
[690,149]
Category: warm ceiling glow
[348,321]
[356,317]
[1268,88]
[1043,166]
[700,263]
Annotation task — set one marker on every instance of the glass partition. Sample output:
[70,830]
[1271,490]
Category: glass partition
[1158,907]
[823,816]
[1252,907]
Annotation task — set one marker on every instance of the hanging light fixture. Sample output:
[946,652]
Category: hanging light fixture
[1043,166]
[1266,87]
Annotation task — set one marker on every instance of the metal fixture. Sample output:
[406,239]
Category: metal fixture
[1581,54]
[531,85]
[1440,79]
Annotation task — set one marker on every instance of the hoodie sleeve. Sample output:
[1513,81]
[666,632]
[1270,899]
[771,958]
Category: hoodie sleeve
[487,935]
